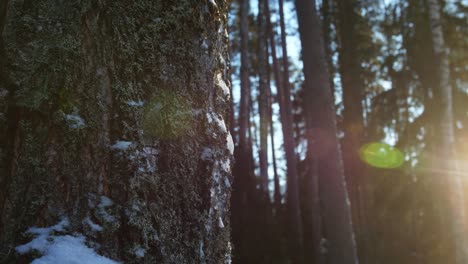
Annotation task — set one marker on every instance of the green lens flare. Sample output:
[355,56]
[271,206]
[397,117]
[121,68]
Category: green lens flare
[381,155]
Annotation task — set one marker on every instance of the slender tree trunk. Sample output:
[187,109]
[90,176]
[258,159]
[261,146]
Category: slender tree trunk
[232,119]
[323,145]
[244,186]
[353,120]
[294,212]
[118,120]
[277,81]
[244,72]
[328,13]
[7,116]
[452,182]
[277,191]
[263,96]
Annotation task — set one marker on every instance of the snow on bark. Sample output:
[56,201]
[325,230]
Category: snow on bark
[122,145]
[75,121]
[93,226]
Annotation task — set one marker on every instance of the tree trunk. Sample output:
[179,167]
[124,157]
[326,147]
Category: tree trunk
[328,14]
[116,117]
[277,191]
[353,121]
[244,72]
[277,81]
[292,193]
[263,96]
[323,146]
[244,185]
[452,185]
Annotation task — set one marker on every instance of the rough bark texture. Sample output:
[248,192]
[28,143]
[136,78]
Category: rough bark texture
[123,102]
[451,183]
[323,143]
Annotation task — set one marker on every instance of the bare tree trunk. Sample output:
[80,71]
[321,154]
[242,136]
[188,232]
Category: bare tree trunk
[353,120]
[277,191]
[119,122]
[328,15]
[244,186]
[452,184]
[245,82]
[323,145]
[294,211]
[277,80]
[263,96]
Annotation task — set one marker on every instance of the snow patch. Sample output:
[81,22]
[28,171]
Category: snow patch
[105,202]
[213,3]
[122,145]
[70,250]
[139,252]
[75,121]
[94,227]
[218,195]
[220,222]
[207,154]
[227,257]
[204,44]
[221,84]
[149,155]
[144,159]
[136,103]
[213,117]
[227,182]
[202,253]
[40,242]
[3,92]
[226,165]
[63,249]
[230,143]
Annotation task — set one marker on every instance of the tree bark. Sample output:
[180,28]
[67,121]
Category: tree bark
[118,117]
[323,145]
[451,183]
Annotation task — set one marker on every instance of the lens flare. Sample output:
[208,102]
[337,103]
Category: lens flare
[381,155]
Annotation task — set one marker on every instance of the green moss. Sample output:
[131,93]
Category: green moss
[65,100]
[167,116]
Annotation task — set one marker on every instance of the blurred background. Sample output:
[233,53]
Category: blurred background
[389,154]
